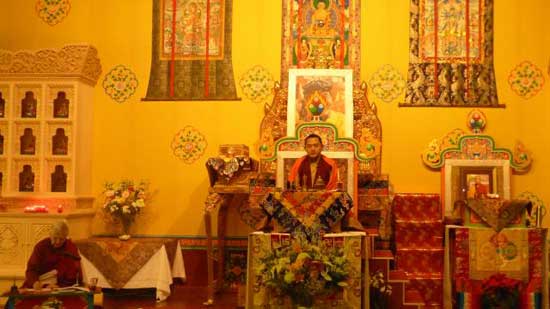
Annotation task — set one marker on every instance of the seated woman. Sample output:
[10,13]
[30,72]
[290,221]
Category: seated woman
[55,257]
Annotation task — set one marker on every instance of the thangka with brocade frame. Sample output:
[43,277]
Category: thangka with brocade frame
[451,54]
[191,54]
[478,253]
[321,34]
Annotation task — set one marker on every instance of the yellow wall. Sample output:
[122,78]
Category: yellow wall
[132,140]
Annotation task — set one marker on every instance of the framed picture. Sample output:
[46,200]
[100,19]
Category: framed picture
[477,182]
[316,95]
[463,179]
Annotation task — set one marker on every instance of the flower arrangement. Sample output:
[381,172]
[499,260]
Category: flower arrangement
[304,270]
[380,290]
[500,291]
[124,201]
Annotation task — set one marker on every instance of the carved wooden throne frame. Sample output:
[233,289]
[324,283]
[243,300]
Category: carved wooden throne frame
[367,132]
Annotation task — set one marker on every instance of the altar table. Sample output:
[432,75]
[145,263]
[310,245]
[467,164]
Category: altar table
[132,264]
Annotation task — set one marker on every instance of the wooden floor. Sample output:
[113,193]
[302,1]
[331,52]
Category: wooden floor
[183,297]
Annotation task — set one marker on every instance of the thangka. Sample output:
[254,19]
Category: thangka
[191,57]
[451,54]
[321,34]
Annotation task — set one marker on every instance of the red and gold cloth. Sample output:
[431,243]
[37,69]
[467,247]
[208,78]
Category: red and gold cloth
[119,260]
[496,213]
[307,211]
[478,253]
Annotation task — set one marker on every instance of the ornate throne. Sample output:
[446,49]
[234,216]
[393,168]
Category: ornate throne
[359,157]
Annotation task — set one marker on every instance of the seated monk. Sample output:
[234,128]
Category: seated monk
[314,170]
[55,255]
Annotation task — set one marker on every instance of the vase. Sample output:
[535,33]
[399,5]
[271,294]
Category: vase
[126,223]
[302,301]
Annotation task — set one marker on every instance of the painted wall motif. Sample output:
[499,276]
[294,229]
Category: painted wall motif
[387,83]
[189,144]
[526,80]
[120,83]
[257,84]
[52,12]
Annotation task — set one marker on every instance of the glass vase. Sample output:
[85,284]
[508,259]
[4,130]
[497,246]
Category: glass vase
[302,301]
[126,223]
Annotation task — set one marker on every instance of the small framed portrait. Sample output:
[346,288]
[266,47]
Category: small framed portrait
[318,95]
[477,182]
[474,179]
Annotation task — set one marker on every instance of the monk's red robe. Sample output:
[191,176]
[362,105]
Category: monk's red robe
[45,258]
[326,169]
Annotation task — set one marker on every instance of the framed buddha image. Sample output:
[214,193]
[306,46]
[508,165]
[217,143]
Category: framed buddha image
[320,95]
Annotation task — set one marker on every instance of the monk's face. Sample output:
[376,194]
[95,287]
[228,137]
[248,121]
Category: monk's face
[313,147]
[57,240]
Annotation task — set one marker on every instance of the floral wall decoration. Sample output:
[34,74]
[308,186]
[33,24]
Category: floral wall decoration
[526,80]
[256,84]
[52,12]
[387,83]
[120,83]
[189,144]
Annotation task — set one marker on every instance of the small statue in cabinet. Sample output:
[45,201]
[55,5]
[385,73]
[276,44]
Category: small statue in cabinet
[61,106]
[60,142]
[26,179]
[28,105]
[28,142]
[59,179]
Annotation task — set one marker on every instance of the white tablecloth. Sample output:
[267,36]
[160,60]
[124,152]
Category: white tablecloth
[156,273]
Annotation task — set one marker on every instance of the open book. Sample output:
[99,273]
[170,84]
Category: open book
[72,288]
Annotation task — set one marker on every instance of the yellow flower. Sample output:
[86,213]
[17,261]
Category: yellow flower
[302,256]
[289,277]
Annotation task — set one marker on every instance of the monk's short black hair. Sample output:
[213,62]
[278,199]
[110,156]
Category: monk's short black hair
[313,135]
